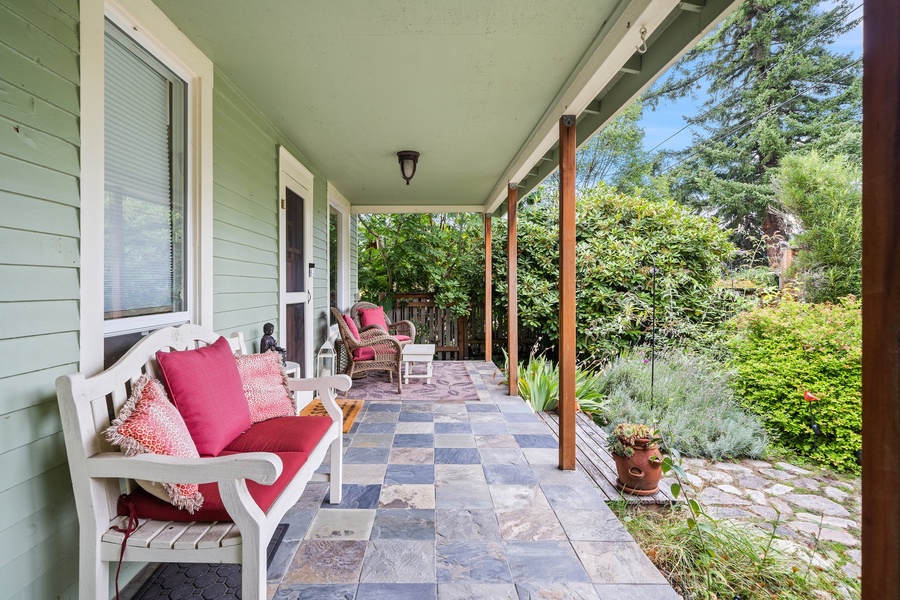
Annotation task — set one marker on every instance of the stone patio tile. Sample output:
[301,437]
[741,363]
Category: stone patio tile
[396,591]
[298,520]
[477,591]
[518,407]
[573,497]
[449,408]
[303,591]
[636,592]
[459,562]
[528,428]
[417,407]
[355,496]
[341,524]
[449,474]
[283,558]
[817,504]
[463,495]
[412,456]
[617,562]
[529,525]
[486,417]
[407,496]
[372,440]
[376,427]
[398,561]
[398,474]
[496,441]
[327,561]
[489,429]
[507,456]
[498,473]
[521,417]
[451,418]
[446,456]
[415,427]
[313,495]
[363,474]
[600,525]
[403,524]
[518,496]
[473,407]
[563,591]
[454,440]
[526,440]
[382,407]
[418,417]
[551,474]
[544,561]
[382,417]
[541,456]
[466,524]
[366,456]
[413,440]
[452,428]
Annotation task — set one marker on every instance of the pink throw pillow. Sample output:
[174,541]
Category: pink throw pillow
[351,326]
[149,423]
[206,388]
[265,386]
[372,316]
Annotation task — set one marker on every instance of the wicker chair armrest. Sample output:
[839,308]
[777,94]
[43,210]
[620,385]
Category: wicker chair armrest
[403,328]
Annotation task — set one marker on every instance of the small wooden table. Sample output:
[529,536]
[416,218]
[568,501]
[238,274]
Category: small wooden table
[418,353]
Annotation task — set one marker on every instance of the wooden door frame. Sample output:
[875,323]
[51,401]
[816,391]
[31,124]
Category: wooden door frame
[290,172]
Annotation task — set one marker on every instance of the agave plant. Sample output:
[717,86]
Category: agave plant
[539,383]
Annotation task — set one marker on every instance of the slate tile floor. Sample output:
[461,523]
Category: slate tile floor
[458,500]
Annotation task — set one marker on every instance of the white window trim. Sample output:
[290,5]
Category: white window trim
[147,25]
[341,205]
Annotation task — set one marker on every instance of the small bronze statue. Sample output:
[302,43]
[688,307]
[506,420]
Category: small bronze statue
[268,343]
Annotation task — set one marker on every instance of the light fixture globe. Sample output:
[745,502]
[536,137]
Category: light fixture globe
[408,160]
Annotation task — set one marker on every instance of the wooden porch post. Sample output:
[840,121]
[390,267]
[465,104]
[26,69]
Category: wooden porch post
[488,285]
[881,301]
[567,402]
[512,291]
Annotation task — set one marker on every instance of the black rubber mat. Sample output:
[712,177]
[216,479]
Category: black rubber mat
[177,581]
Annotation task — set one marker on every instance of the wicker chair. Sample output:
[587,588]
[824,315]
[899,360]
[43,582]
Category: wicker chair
[374,350]
[399,328]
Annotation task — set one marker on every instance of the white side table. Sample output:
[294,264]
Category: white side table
[418,353]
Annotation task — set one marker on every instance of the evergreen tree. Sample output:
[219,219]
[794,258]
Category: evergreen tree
[774,87]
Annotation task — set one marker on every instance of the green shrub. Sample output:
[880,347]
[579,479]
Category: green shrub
[693,406]
[782,350]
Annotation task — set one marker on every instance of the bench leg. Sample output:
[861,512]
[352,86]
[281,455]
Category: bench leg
[253,564]
[337,461]
[93,574]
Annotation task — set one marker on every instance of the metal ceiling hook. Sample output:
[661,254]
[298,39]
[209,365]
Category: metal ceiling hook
[643,47]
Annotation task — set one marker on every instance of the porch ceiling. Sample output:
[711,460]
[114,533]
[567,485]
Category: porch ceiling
[473,85]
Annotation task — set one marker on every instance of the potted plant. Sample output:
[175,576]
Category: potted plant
[635,449]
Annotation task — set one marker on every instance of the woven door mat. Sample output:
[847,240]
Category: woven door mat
[350,408]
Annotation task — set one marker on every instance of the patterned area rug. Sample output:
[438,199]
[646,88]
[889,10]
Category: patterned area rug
[450,382]
[200,580]
[350,408]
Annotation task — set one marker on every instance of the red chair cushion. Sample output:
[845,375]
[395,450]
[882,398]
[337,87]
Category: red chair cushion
[284,434]
[150,507]
[364,354]
[403,338]
[354,331]
[372,316]
[205,386]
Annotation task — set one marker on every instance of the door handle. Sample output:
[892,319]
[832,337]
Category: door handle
[308,297]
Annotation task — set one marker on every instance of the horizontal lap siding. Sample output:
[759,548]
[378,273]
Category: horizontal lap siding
[39,257]
[245,214]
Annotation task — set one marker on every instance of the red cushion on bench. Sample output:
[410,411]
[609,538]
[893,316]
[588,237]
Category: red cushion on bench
[148,506]
[282,434]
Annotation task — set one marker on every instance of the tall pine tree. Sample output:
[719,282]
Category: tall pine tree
[774,87]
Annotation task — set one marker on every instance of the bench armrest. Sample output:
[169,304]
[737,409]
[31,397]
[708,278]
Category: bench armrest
[261,467]
[319,384]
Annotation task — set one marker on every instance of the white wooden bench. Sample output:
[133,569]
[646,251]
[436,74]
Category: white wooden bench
[100,474]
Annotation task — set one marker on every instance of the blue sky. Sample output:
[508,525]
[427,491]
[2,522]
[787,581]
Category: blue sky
[668,117]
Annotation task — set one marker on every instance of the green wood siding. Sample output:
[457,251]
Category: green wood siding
[354,262]
[245,215]
[39,257]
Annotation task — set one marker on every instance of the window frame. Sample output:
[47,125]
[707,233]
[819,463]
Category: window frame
[144,23]
[339,204]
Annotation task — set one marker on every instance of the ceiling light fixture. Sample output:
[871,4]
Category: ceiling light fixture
[408,160]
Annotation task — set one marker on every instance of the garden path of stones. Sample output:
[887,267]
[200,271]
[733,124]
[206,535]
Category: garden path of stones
[808,505]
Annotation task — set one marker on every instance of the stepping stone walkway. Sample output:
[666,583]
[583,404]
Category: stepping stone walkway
[810,506]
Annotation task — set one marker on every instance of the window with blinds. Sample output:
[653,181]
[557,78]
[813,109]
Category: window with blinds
[145,115]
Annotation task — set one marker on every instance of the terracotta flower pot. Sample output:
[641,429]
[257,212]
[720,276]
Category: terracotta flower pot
[639,474]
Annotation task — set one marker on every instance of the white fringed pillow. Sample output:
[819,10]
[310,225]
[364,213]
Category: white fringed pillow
[150,423]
